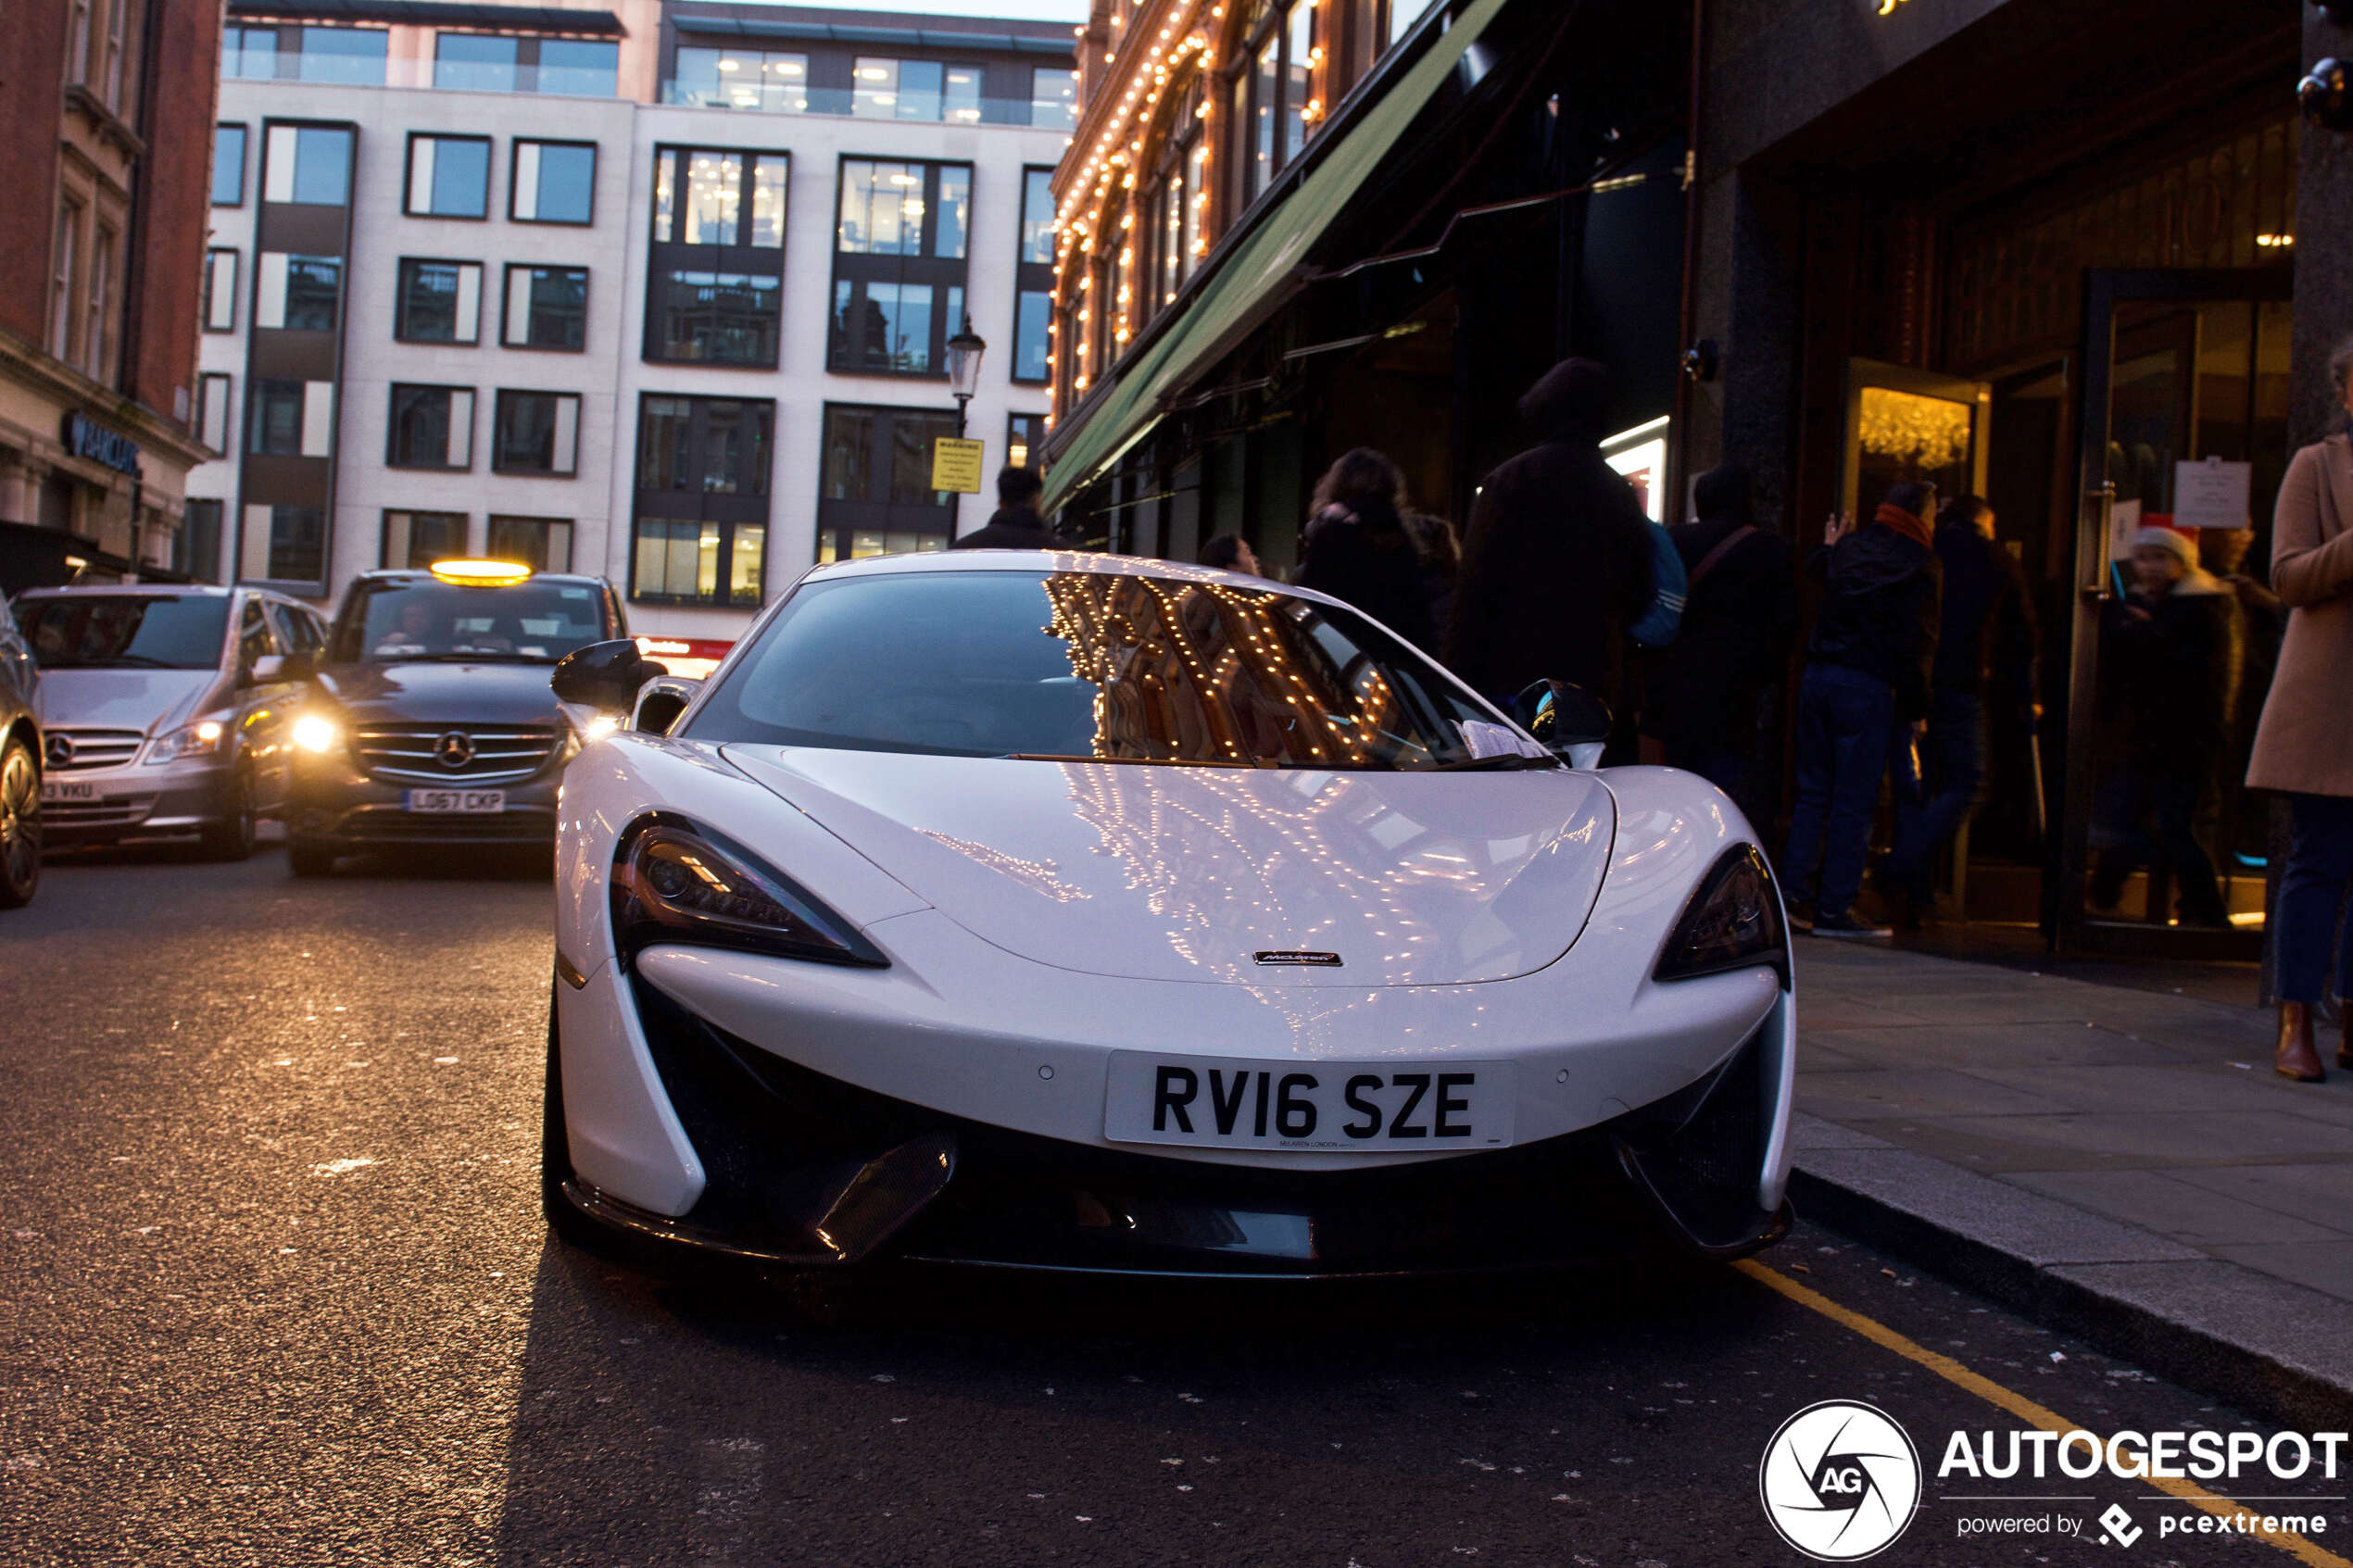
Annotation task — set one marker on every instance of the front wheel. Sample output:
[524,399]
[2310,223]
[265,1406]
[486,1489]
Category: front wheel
[19,826]
[232,837]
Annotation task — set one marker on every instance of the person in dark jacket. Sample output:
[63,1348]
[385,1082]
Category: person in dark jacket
[1356,549]
[2169,657]
[1441,564]
[1867,682]
[1230,552]
[1556,557]
[1704,691]
[1985,664]
[1016,524]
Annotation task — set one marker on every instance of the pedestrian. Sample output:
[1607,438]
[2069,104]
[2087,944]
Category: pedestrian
[1442,565]
[2170,655]
[1016,524]
[1230,552]
[1356,549]
[1705,691]
[1557,555]
[2304,745]
[1866,686]
[1984,673]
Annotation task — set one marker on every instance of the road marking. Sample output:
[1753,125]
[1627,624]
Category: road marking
[2022,1407]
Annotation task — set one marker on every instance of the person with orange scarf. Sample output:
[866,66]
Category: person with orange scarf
[1868,667]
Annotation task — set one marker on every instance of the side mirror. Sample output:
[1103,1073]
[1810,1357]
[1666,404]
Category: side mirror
[268,670]
[1570,721]
[659,703]
[605,676]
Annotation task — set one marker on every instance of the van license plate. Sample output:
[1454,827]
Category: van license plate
[455,802]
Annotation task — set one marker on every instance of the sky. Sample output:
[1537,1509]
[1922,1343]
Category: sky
[1036,10]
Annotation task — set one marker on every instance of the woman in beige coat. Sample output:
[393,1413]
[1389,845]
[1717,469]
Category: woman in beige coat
[2304,746]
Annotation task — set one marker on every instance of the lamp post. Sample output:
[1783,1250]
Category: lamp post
[964,351]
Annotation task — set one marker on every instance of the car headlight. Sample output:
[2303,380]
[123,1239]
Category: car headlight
[1733,922]
[673,883]
[317,733]
[577,738]
[199,739]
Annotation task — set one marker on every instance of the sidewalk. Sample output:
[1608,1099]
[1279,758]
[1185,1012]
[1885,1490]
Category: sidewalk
[2125,1163]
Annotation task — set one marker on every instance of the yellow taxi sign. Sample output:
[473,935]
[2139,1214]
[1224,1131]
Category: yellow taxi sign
[956,464]
[480,573]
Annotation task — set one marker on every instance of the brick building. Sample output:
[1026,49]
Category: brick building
[108,145]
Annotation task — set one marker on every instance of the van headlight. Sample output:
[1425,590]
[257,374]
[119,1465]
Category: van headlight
[199,739]
[317,733]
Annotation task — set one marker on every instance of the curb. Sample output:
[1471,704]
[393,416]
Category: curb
[2280,1351]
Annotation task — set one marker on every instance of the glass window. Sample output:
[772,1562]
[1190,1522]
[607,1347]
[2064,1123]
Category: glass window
[675,559]
[249,52]
[665,429]
[554,182]
[314,292]
[579,67]
[213,401]
[882,326]
[955,211]
[142,630]
[449,177]
[308,165]
[714,198]
[719,318]
[882,208]
[438,302]
[294,543]
[959,102]
[925,90]
[468,62]
[350,54]
[1265,109]
[1033,346]
[543,544]
[227,166]
[1023,432]
[1299,67]
[735,444]
[768,201]
[547,308]
[1084,665]
[701,532]
[274,425]
[1053,99]
[196,549]
[849,454]
[1038,215]
[413,541]
[537,432]
[432,428]
[740,79]
[220,291]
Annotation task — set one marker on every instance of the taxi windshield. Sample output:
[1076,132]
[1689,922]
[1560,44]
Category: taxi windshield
[1098,666]
[408,620]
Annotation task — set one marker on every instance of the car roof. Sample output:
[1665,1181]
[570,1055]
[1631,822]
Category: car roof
[1096,561]
[415,574]
[137,590]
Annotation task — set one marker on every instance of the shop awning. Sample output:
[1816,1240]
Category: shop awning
[1261,271]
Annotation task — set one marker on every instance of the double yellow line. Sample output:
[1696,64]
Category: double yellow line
[2022,1407]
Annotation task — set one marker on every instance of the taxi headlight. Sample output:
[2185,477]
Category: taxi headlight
[1733,922]
[673,883]
[199,739]
[317,733]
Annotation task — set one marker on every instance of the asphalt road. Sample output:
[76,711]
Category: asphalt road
[274,1289]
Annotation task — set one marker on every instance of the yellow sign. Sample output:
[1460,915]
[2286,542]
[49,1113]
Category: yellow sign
[956,464]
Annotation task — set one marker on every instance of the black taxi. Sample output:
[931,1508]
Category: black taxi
[428,718]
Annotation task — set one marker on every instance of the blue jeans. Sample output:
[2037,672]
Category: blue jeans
[2312,894]
[1844,719]
[1953,754]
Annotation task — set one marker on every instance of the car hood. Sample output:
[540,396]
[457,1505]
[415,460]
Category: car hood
[119,699]
[1187,873]
[492,692]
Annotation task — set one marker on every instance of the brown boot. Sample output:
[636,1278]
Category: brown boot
[2296,1056]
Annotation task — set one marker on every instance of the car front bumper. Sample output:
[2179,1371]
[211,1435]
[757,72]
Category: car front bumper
[332,801]
[799,1167]
[136,800]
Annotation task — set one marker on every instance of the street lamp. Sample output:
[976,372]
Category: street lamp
[964,379]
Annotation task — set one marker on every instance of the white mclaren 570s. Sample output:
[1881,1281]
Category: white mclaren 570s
[1061,910]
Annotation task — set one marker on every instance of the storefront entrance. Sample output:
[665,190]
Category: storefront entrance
[2181,425]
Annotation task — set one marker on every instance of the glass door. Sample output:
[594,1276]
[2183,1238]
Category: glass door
[2183,428]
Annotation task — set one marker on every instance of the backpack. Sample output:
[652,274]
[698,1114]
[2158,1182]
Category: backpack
[1657,625]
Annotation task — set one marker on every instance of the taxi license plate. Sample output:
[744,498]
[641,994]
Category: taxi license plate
[54,789]
[1387,1107]
[455,802]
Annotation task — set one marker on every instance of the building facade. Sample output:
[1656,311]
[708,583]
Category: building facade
[105,143]
[659,293]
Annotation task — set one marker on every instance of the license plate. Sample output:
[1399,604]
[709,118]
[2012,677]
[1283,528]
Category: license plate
[52,789]
[1219,1102]
[455,802]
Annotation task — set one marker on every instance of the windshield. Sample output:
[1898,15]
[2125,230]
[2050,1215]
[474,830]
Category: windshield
[129,631]
[536,622]
[1097,666]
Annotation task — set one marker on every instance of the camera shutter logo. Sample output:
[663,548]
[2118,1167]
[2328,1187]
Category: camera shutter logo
[1840,1481]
